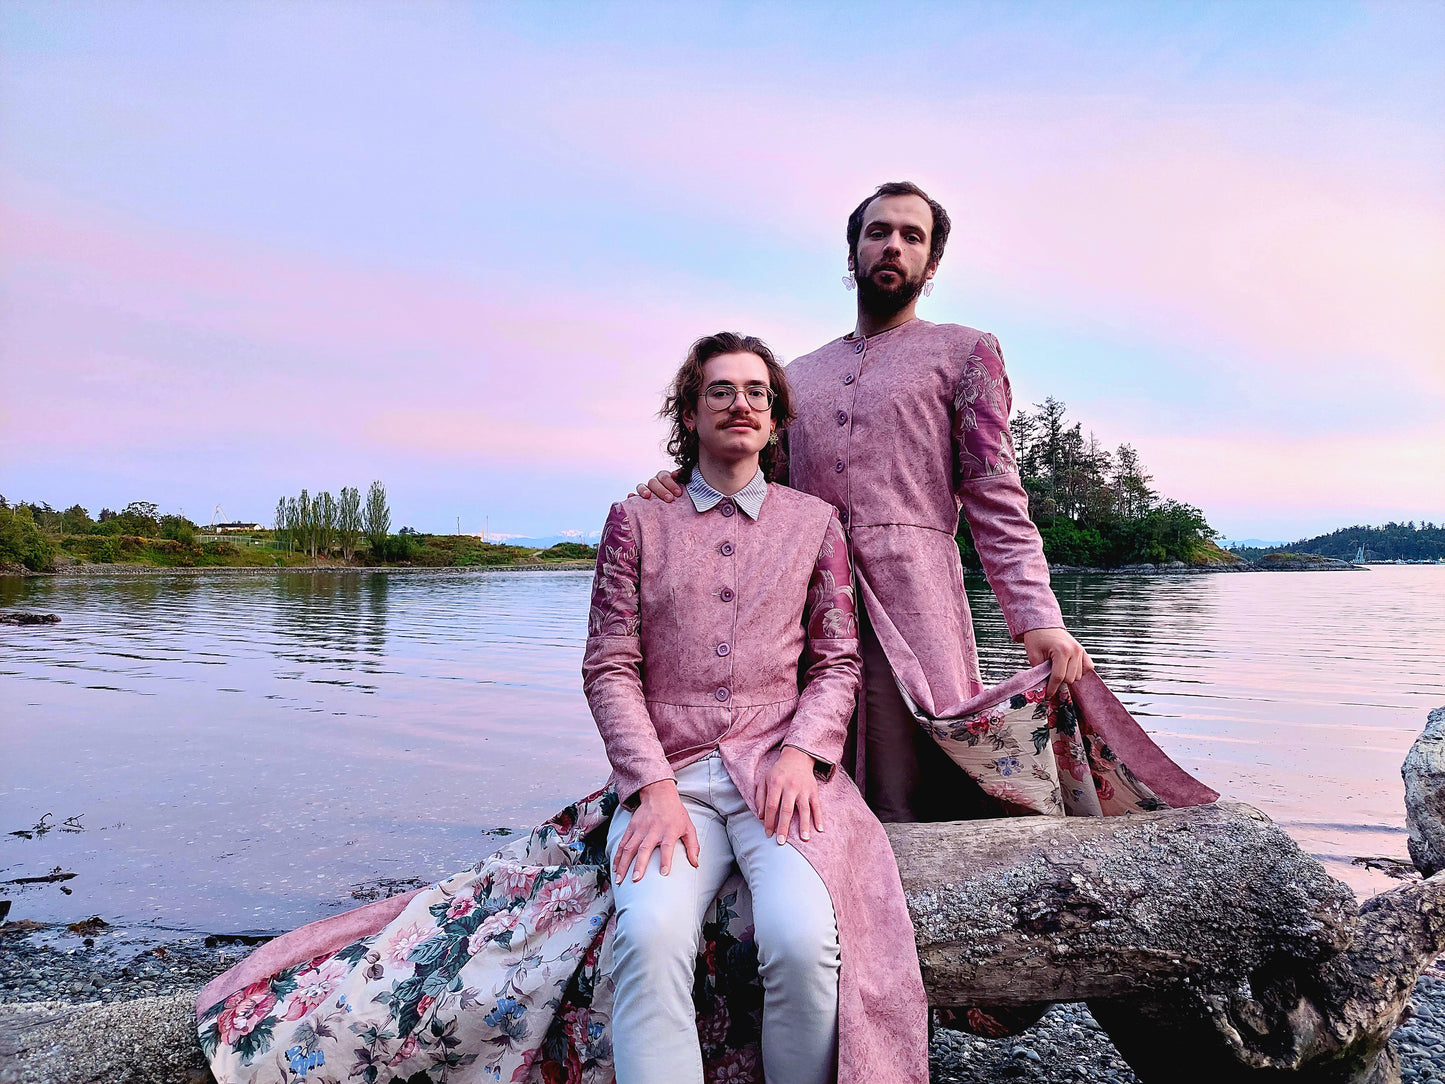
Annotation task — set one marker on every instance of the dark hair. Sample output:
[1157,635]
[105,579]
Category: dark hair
[686,388]
[937,236]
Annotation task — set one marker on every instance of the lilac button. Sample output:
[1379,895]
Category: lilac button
[721,694]
[726,549]
[838,466]
[726,594]
[858,349]
[842,417]
[848,379]
[723,649]
[727,508]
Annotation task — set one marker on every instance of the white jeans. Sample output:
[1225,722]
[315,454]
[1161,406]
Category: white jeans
[659,927]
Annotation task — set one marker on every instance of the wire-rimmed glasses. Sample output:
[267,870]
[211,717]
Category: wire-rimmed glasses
[721,397]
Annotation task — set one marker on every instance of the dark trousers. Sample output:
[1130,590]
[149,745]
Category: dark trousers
[906,776]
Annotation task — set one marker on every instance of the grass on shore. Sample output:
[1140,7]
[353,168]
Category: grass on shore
[406,551]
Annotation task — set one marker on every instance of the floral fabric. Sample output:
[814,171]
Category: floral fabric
[832,612]
[615,606]
[982,402]
[499,973]
[1037,754]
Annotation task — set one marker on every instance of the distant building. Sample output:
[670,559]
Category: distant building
[228,528]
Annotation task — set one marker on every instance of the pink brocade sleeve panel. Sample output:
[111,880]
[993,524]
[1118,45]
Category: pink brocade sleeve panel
[832,667]
[994,499]
[612,665]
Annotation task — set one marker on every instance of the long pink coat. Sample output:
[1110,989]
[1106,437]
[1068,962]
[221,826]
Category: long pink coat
[698,626]
[899,432]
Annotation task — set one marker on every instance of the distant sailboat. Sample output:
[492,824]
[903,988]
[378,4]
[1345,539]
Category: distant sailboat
[1360,557]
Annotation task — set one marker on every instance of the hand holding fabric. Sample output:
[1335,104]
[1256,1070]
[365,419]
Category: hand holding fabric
[1070,659]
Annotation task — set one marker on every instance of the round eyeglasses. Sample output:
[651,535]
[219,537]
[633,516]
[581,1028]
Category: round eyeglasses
[723,396]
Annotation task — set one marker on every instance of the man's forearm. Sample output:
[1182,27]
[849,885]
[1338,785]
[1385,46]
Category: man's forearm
[1011,552]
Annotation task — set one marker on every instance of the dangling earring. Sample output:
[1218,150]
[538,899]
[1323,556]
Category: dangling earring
[773,437]
[849,282]
[927,287]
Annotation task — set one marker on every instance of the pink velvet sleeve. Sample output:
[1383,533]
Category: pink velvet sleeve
[833,669]
[612,665]
[994,500]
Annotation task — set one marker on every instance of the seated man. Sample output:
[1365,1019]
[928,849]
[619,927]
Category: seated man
[719,740]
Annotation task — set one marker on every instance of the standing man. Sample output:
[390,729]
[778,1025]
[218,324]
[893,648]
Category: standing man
[900,425]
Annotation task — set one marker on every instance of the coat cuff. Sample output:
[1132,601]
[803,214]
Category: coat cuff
[823,768]
[629,784]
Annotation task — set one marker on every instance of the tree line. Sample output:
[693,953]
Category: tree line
[1391,542]
[1094,507]
[316,526]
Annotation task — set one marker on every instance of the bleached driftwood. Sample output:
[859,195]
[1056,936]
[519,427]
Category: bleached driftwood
[1017,911]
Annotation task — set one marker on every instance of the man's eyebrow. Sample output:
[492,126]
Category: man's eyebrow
[730,384]
[899,225]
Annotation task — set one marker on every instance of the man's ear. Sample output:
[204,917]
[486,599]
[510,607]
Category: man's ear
[852,265]
[689,419]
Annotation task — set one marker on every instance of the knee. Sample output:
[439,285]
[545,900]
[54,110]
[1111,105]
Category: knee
[802,941]
[654,937]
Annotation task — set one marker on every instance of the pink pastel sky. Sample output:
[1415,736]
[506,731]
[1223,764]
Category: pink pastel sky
[251,248]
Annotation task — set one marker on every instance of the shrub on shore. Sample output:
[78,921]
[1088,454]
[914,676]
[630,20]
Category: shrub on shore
[23,543]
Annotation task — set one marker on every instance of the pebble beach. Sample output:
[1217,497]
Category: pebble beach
[1065,1047]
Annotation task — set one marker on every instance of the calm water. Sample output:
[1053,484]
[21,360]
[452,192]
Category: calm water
[241,751]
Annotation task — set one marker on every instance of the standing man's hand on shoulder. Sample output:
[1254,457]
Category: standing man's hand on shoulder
[1067,654]
[661,821]
[664,486]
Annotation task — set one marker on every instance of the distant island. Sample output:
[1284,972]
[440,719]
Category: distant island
[1392,542]
[309,532]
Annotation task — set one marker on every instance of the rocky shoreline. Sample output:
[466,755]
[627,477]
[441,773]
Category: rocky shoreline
[46,972]
[86,571]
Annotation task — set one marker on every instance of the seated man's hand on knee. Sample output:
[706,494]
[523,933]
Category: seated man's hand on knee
[660,822]
[790,785]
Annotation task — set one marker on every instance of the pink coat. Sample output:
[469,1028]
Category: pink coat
[899,432]
[699,624]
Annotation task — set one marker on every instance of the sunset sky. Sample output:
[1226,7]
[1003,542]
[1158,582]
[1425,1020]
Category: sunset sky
[251,247]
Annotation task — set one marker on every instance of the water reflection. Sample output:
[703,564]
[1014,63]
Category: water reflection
[246,748]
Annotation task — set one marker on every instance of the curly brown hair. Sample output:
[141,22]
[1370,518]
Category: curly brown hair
[686,389]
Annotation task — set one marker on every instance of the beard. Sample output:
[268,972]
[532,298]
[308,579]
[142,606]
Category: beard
[887,301]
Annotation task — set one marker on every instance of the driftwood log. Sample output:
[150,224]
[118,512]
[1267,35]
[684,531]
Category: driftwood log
[1066,909]
[1205,942]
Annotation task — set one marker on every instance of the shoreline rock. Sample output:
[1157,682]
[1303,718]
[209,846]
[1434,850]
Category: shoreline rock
[1424,776]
